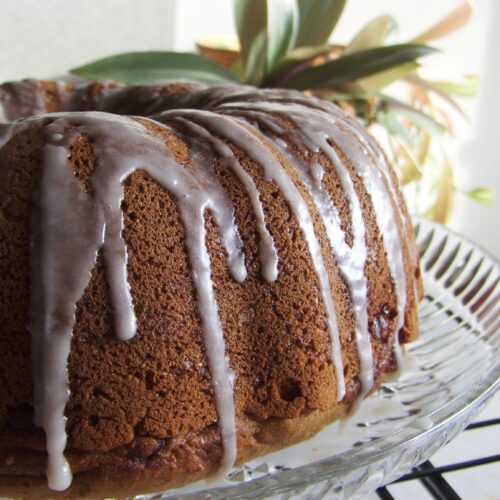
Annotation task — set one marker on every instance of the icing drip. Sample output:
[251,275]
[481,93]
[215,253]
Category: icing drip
[387,221]
[220,205]
[386,213]
[351,260]
[109,192]
[267,251]
[64,214]
[317,173]
[328,121]
[387,210]
[67,214]
[222,376]
[256,149]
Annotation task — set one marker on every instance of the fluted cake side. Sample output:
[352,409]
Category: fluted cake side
[218,276]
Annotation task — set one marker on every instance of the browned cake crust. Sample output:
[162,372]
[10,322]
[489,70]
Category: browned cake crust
[141,415]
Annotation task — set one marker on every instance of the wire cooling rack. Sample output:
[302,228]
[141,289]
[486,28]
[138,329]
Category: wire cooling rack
[432,477]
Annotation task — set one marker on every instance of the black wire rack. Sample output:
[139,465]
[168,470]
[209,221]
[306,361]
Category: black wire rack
[432,477]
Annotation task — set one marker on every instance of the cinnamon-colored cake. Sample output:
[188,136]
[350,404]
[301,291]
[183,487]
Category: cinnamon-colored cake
[220,275]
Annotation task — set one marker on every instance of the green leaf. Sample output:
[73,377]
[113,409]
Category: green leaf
[357,65]
[267,30]
[430,87]
[467,88]
[256,62]
[296,58]
[251,21]
[237,69]
[372,84]
[424,149]
[486,196]
[344,96]
[420,119]
[393,124]
[140,67]
[445,194]
[317,18]
[411,169]
[282,25]
[373,34]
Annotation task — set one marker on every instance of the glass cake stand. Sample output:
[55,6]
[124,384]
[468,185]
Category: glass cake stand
[449,375]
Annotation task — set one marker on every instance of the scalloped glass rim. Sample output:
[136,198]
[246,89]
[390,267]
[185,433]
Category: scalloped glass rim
[471,306]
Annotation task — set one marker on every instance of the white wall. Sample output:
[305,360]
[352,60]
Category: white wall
[44,38]
[480,154]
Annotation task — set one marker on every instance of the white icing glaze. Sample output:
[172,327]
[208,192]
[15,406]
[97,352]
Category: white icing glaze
[351,260]
[220,205]
[267,251]
[121,146]
[65,213]
[370,164]
[222,376]
[256,149]
[317,173]
[395,193]
[387,220]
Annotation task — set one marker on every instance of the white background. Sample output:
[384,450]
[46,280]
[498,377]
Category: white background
[46,38]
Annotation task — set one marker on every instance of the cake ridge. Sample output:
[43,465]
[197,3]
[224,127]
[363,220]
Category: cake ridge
[267,251]
[273,170]
[351,259]
[225,116]
[366,143]
[109,134]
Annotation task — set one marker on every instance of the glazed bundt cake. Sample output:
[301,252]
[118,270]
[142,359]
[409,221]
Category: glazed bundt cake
[191,276]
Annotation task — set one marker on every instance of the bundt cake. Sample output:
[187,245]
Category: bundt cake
[191,276]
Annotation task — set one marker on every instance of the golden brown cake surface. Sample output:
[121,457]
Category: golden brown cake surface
[143,414]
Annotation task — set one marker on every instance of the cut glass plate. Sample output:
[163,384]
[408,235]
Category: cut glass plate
[450,372]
